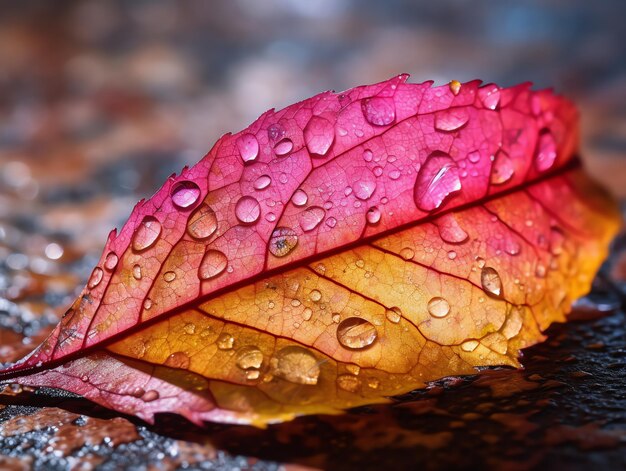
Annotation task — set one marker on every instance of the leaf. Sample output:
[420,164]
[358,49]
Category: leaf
[346,249]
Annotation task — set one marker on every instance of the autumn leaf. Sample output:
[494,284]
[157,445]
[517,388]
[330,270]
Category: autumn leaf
[341,251]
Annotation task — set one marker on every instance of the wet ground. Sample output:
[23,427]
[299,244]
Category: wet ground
[100,102]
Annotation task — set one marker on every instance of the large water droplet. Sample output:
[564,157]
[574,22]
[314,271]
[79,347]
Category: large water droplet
[311,217]
[393,314]
[213,263]
[185,194]
[348,383]
[296,365]
[110,262]
[315,295]
[249,357]
[436,180]
[490,96]
[546,151]
[451,120]
[146,233]
[449,229]
[379,111]
[299,197]
[248,146]
[283,147]
[469,345]
[247,210]
[95,278]
[319,134]
[202,223]
[364,187]
[225,341]
[373,215]
[178,360]
[502,169]
[137,272]
[356,333]
[438,307]
[282,241]
[491,282]
[262,182]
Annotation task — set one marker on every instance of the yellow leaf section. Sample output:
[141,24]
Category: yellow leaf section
[468,289]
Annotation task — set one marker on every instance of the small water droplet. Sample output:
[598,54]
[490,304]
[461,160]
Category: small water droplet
[299,197]
[147,304]
[480,261]
[137,272]
[283,147]
[546,151]
[331,222]
[213,263]
[311,217]
[336,317]
[436,181]
[449,229]
[202,223]
[169,276]
[178,360]
[490,96]
[540,271]
[315,295]
[150,396]
[512,247]
[271,217]
[365,186]
[469,345]
[95,278]
[296,365]
[368,155]
[262,182]
[249,357]
[379,111]
[502,169]
[185,194]
[307,313]
[356,333]
[378,171]
[451,254]
[248,146]
[190,328]
[282,241]
[110,262]
[283,178]
[137,392]
[455,87]
[348,383]
[438,307]
[146,233]
[395,174]
[247,210]
[225,341]
[393,314]
[451,119]
[319,134]
[474,157]
[373,383]
[491,282]
[407,253]
[373,215]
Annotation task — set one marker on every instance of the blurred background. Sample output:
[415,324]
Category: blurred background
[101,100]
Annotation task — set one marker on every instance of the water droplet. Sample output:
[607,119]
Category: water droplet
[283,147]
[451,254]
[512,247]
[395,174]
[378,171]
[491,282]
[311,217]
[185,194]
[150,396]
[452,119]
[169,276]
[147,304]
[407,253]
[307,313]
[315,295]
[146,233]
[348,383]
[480,261]
[202,223]
[262,182]
[110,262]
[546,151]
[282,241]
[271,217]
[373,215]
[438,307]
[225,341]
[248,146]
[436,180]
[490,96]
[190,328]
[331,222]
[455,87]
[469,345]
[368,155]
[213,263]
[299,197]
[137,272]
[178,360]
[296,365]
[137,392]
[319,134]
[275,132]
[474,157]
[379,111]
[502,169]
[540,271]
[356,333]
[365,186]
[247,210]
[373,383]
[449,229]
[95,278]
[249,357]
[336,317]
[393,314]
